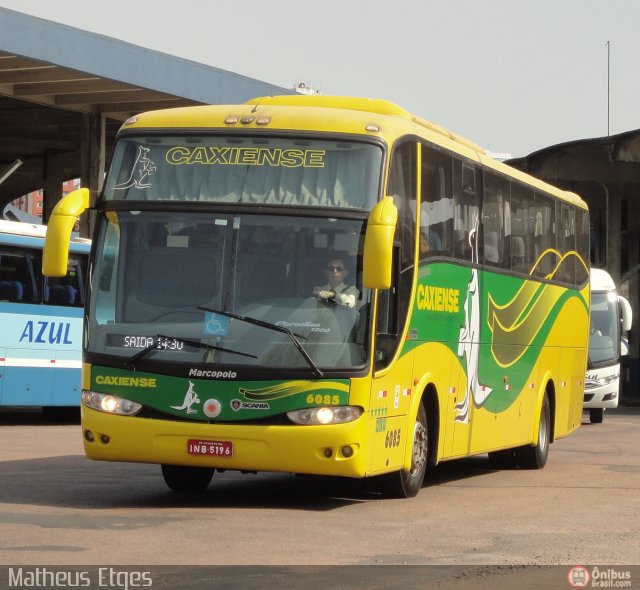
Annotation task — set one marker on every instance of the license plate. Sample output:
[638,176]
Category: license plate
[210,448]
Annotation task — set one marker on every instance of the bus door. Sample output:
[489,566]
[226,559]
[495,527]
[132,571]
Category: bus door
[391,390]
[391,395]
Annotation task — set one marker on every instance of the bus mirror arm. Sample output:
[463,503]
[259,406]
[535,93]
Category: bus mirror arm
[63,218]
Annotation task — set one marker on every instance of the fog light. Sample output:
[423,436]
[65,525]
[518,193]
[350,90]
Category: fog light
[347,451]
[105,439]
[88,435]
[328,452]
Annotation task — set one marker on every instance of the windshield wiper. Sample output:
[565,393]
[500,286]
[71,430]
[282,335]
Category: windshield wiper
[292,335]
[130,362]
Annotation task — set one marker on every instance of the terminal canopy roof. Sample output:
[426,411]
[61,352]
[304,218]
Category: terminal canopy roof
[59,85]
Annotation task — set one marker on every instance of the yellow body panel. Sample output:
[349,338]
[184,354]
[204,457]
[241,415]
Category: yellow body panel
[295,449]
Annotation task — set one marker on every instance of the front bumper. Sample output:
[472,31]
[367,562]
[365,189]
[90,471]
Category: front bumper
[293,449]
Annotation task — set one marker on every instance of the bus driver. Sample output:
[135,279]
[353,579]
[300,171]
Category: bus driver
[336,290]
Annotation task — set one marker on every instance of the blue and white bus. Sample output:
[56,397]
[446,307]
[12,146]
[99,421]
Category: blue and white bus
[40,321]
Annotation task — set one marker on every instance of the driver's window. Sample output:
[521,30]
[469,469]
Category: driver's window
[393,304]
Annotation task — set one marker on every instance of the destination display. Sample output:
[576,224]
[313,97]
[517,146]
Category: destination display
[138,342]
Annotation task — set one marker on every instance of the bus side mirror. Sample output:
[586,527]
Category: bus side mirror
[378,245]
[56,242]
[626,313]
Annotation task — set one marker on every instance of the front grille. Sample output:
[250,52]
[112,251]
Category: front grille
[277,420]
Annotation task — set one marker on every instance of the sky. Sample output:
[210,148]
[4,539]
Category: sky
[514,76]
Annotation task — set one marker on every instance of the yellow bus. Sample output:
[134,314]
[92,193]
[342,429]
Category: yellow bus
[325,285]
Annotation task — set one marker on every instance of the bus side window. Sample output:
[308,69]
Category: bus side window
[496,220]
[465,211]
[436,204]
[582,247]
[11,291]
[544,240]
[566,242]
[522,227]
[17,282]
[68,290]
[393,303]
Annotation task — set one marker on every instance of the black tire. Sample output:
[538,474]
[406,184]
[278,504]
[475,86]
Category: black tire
[535,457]
[596,415]
[181,478]
[407,484]
[505,459]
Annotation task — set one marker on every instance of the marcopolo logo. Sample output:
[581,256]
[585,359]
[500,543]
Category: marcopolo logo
[211,374]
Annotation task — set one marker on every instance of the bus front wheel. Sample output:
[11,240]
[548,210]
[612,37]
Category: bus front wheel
[406,484]
[181,478]
[536,457]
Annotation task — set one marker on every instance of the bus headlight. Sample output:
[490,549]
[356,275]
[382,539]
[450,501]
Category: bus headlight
[112,404]
[325,415]
[593,382]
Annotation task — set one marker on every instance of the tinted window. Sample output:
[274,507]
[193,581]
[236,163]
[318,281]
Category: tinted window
[436,204]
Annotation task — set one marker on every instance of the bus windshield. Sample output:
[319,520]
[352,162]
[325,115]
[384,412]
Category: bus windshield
[604,334]
[235,169]
[165,287]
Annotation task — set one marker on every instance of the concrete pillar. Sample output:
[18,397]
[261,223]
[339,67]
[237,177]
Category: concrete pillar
[52,179]
[92,149]
[631,289]
[614,229]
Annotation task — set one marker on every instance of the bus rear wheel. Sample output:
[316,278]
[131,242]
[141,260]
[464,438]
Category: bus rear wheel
[407,484]
[535,457]
[182,478]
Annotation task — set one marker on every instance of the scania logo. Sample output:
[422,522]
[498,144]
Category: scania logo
[237,404]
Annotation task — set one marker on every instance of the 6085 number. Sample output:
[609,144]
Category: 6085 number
[392,438]
[323,399]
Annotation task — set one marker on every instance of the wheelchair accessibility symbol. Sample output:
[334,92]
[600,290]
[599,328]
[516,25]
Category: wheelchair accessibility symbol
[215,325]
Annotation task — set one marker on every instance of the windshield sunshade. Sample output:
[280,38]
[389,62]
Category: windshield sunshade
[246,170]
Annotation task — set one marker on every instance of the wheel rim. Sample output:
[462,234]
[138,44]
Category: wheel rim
[419,456]
[543,433]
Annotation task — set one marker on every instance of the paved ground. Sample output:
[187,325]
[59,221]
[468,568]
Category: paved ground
[59,508]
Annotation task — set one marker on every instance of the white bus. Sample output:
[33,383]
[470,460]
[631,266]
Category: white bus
[610,319]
